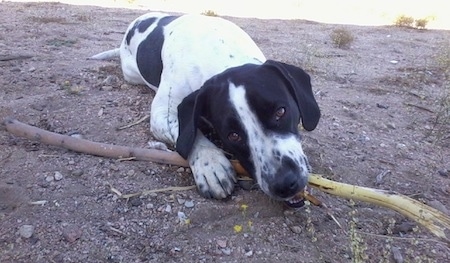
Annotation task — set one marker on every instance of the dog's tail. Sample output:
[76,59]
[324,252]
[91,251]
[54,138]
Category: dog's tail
[113,53]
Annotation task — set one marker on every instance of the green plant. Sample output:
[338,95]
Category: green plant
[341,38]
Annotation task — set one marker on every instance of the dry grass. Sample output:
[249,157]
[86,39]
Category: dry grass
[341,38]
[209,13]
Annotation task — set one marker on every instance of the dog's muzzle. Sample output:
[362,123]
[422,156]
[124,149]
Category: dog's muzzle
[288,181]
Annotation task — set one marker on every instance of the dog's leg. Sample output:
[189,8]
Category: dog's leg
[163,116]
[213,172]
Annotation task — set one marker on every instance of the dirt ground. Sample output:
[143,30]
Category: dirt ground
[380,100]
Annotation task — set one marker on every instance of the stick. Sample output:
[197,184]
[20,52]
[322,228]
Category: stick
[432,219]
[94,148]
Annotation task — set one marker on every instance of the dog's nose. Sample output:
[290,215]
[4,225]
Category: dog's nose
[288,180]
[286,185]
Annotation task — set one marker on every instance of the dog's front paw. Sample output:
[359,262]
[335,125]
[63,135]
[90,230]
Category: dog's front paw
[213,173]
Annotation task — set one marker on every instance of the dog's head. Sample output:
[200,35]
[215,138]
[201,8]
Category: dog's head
[255,110]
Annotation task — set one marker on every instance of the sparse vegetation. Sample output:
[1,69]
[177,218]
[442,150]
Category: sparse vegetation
[341,38]
[209,13]
[409,21]
[404,21]
[421,23]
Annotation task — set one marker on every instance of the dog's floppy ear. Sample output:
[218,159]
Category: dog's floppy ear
[189,111]
[300,87]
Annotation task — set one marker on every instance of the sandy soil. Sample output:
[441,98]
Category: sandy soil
[380,99]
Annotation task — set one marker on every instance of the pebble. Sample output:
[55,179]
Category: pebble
[77,172]
[71,233]
[58,176]
[181,201]
[391,126]
[226,251]
[26,231]
[189,204]
[296,229]
[124,86]
[445,173]
[150,206]
[106,88]
[168,209]
[221,243]
[136,202]
[397,255]
[131,172]
[249,253]
[49,178]
[180,170]
[182,216]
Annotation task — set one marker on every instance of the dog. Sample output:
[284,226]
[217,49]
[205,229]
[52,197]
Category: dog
[207,72]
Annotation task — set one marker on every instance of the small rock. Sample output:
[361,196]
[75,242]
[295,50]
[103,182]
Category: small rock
[189,204]
[221,243]
[296,229]
[71,162]
[58,176]
[131,172]
[182,216]
[400,146]
[248,184]
[150,206]
[77,172]
[391,126]
[168,209]
[393,61]
[249,253]
[71,233]
[445,173]
[124,86]
[439,206]
[100,112]
[106,88]
[397,255]
[32,69]
[180,170]
[26,231]
[226,251]
[49,178]
[181,201]
[135,202]
[403,227]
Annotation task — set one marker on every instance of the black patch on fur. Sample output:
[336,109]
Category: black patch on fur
[148,56]
[141,26]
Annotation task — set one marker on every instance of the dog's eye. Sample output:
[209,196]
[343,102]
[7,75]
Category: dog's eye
[234,137]
[280,113]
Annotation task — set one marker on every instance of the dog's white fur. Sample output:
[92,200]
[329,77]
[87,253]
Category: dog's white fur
[190,58]
[195,49]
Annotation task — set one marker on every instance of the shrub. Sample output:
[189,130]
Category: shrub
[341,38]
[404,21]
[209,13]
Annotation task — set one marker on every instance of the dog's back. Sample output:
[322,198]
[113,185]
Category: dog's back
[154,40]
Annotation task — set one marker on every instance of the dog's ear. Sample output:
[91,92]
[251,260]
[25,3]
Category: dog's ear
[300,87]
[189,111]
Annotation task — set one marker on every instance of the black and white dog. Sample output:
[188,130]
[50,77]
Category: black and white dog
[207,70]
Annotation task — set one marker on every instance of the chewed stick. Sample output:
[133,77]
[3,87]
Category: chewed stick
[434,220]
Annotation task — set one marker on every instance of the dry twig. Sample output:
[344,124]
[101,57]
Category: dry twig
[432,219]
